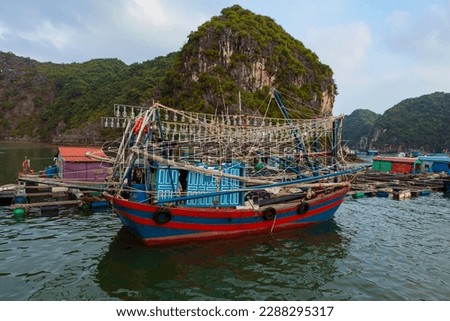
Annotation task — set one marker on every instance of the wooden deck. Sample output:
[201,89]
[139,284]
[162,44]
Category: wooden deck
[398,186]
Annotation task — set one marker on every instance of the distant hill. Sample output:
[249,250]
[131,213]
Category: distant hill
[64,102]
[235,53]
[358,127]
[412,124]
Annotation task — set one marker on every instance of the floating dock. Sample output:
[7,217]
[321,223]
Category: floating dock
[398,186]
[24,197]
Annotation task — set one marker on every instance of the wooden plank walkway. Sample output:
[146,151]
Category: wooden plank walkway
[43,204]
[399,186]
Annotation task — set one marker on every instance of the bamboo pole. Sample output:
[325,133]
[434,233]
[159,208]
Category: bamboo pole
[41,204]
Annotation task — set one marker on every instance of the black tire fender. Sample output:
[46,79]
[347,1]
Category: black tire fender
[269,213]
[162,216]
[302,208]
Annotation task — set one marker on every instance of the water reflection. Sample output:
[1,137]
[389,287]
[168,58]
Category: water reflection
[290,265]
[13,154]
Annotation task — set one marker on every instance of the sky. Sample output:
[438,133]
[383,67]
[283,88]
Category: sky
[381,51]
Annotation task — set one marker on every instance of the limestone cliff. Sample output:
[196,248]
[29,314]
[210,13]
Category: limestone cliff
[236,54]
[24,93]
[240,51]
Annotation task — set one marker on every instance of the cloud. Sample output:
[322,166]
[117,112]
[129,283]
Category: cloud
[131,30]
[399,21]
[48,34]
[159,17]
[3,31]
[433,77]
[423,35]
[377,67]
[148,13]
[344,47]
[414,56]
[138,30]
[380,52]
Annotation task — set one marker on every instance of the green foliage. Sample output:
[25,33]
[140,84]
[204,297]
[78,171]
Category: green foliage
[87,91]
[413,123]
[417,123]
[201,77]
[25,127]
[359,124]
[249,39]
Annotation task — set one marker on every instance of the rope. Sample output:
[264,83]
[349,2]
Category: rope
[185,139]
[273,224]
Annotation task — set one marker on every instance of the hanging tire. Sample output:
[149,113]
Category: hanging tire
[302,208]
[162,216]
[269,213]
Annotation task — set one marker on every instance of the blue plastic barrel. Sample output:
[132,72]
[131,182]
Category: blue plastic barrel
[51,171]
[20,199]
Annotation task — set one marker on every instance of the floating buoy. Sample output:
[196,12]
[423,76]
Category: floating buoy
[20,199]
[382,194]
[402,195]
[358,195]
[259,166]
[19,212]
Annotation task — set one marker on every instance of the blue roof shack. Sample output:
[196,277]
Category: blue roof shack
[435,164]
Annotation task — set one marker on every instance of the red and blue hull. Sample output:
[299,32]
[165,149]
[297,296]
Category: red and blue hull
[156,225]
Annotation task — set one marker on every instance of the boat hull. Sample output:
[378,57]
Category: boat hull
[156,225]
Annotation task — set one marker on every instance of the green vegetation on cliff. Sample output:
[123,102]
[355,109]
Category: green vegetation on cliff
[240,51]
[55,98]
[85,92]
[414,123]
[235,52]
[358,128]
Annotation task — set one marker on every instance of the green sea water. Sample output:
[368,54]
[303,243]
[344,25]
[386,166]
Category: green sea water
[13,154]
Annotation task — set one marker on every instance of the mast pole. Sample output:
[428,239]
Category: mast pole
[298,140]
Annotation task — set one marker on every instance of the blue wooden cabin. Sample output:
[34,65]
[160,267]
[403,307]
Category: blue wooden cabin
[435,164]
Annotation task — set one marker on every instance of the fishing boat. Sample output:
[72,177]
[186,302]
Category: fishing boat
[182,176]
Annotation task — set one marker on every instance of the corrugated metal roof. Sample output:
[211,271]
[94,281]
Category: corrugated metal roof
[78,154]
[396,159]
[443,159]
